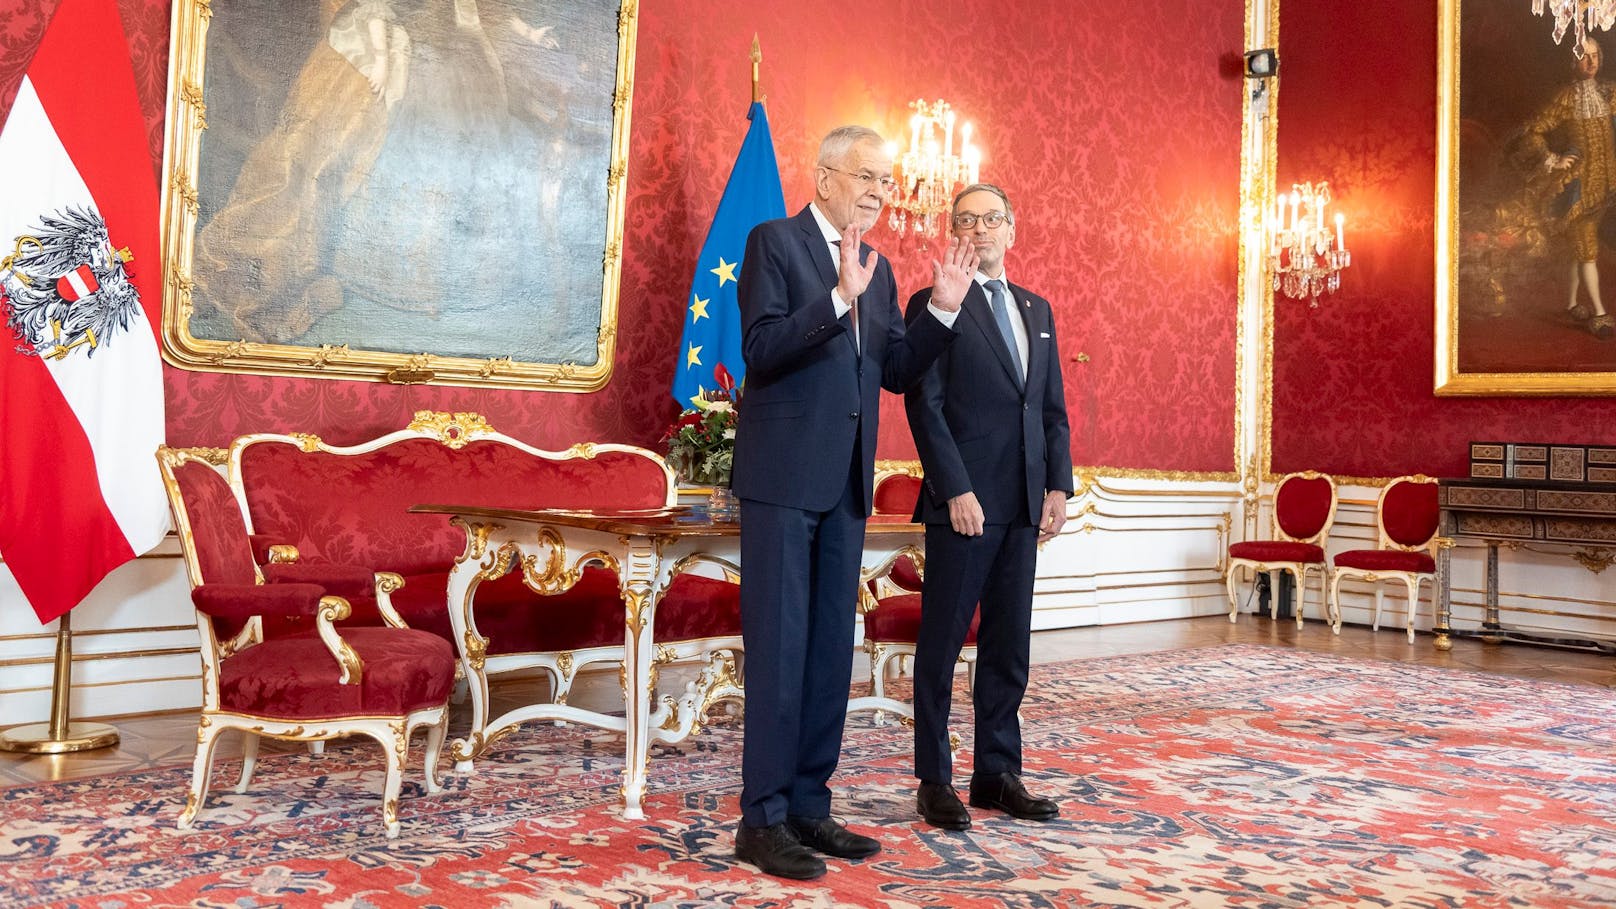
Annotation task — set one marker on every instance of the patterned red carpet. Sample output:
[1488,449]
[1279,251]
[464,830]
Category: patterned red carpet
[1224,776]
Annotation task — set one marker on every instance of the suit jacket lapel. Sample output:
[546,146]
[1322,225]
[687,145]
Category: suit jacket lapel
[981,312]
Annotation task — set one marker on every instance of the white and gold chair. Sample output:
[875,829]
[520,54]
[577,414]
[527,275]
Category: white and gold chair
[1406,519]
[1304,510]
[379,681]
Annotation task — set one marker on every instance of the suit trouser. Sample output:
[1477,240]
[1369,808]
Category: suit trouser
[995,569]
[799,590]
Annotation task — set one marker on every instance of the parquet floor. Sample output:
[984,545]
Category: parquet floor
[170,739]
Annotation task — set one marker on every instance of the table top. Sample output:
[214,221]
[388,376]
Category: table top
[679,520]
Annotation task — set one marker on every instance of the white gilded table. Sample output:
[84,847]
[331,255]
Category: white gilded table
[647,549]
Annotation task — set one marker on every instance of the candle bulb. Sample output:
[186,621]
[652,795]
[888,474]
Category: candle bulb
[1296,204]
[914,133]
[948,133]
[1340,235]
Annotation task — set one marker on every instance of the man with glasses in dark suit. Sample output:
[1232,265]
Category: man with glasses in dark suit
[989,421]
[822,335]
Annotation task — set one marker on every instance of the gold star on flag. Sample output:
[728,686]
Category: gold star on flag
[699,309]
[725,271]
[693,356]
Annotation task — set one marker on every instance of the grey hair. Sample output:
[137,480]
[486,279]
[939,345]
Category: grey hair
[1009,212]
[838,142]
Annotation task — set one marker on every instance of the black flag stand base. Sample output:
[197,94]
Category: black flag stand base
[59,736]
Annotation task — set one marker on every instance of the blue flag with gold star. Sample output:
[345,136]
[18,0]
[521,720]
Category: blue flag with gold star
[711,345]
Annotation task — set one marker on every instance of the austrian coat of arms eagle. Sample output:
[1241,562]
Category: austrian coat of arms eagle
[63,286]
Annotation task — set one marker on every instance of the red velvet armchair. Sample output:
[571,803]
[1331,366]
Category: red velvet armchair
[1406,520]
[312,681]
[1304,510]
[889,597]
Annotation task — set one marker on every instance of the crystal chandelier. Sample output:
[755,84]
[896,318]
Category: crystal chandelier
[1581,16]
[930,170]
[1306,256]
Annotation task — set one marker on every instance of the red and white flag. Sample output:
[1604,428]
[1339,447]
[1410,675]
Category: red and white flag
[81,382]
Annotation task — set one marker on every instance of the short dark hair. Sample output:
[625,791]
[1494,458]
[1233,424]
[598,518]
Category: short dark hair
[1009,211]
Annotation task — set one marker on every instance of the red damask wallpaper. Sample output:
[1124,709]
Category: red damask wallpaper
[1119,144]
[1352,379]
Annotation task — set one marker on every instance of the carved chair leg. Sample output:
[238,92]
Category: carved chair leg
[249,760]
[1231,583]
[395,750]
[1380,600]
[1301,577]
[207,736]
[434,746]
[878,683]
[1413,585]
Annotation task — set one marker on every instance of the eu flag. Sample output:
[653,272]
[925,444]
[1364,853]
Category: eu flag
[712,332]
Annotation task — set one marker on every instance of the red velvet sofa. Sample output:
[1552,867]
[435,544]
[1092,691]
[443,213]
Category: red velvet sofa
[349,506]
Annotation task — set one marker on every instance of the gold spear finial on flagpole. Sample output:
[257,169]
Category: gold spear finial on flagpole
[757,57]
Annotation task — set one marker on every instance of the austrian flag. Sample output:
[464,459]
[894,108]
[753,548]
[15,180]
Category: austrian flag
[81,383]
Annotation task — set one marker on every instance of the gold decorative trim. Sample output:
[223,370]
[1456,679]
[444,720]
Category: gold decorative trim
[454,430]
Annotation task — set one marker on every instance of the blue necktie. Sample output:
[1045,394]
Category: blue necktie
[996,297]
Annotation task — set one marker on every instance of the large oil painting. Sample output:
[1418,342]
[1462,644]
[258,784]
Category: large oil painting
[1526,204]
[398,190]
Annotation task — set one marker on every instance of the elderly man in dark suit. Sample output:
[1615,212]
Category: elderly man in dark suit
[989,421]
[822,335]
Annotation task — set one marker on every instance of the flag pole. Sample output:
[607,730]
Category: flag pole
[757,57]
[59,736]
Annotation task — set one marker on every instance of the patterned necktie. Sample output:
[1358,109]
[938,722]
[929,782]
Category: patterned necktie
[996,297]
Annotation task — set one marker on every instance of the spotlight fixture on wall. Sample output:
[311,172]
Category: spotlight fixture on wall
[1581,16]
[930,170]
[1305,252]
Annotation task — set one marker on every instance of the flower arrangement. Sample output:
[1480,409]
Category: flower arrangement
[701,443]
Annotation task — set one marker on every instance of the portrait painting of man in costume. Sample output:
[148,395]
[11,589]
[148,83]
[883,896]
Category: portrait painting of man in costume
[415,186]
[1527,205]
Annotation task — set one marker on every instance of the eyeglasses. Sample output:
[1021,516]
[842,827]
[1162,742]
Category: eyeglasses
[864,180]
[966,220]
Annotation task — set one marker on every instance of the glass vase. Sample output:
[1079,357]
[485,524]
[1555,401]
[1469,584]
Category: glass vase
[722,505]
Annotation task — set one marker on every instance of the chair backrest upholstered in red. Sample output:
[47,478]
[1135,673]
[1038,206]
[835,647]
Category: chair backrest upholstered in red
[1409,513]
[897,493]
[1304,506]
[351,506]
[218,532]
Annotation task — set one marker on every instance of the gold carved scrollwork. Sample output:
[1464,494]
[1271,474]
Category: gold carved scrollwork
[564,662]
[401,744]
[282,554]
[389,581]
[584,450]
[497,565]
[307,442]
[476,650]
[452,429]
[1595,560]
[476,537]
[555,577]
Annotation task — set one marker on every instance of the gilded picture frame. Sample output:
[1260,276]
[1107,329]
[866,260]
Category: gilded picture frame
[1525,207]
[405,191]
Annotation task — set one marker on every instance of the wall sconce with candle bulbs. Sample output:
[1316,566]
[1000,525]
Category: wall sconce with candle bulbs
[1306,252]
[930,171]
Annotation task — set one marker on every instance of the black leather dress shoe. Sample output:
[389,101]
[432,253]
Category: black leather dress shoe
[775,850]
[1005,792]
[831,838]
[940,805]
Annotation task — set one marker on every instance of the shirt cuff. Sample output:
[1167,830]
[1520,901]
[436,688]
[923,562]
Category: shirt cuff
[943,315]
[837,303]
